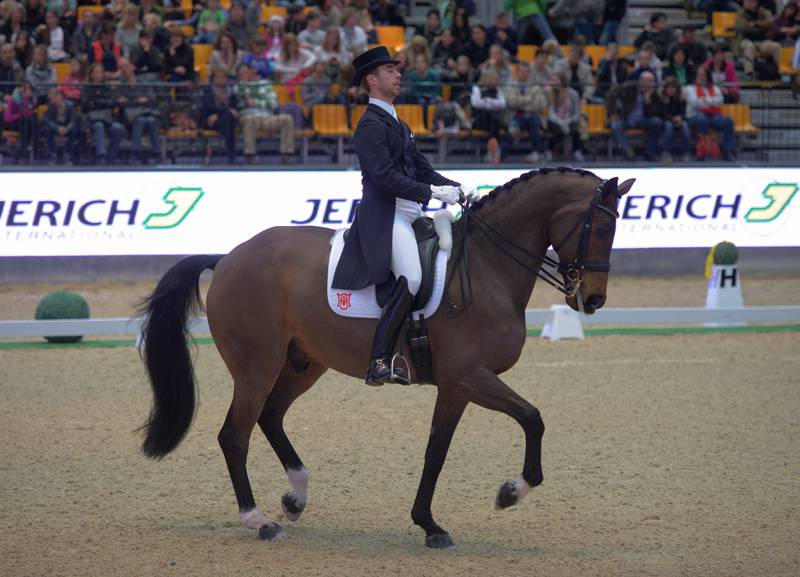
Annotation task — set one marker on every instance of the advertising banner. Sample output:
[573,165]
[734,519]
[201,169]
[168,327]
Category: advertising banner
[201,212]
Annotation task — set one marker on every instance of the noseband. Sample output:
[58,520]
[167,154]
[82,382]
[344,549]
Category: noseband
[571,279]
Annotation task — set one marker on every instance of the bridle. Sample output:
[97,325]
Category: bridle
[571,279]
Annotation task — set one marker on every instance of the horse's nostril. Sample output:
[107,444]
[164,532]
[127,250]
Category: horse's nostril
[596,301]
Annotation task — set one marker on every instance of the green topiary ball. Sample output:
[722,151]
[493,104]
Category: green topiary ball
[62,305]
[725,253]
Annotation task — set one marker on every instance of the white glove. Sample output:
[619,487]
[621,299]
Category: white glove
[445,193]
[470,192]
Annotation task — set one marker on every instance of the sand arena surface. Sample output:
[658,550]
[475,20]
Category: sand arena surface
[664,455]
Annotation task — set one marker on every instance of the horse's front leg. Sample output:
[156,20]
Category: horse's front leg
[484,388]
[446,415]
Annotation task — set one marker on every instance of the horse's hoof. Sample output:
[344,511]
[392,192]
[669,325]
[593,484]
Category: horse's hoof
[507,496]
[440,541]
[271,532]
[292,508]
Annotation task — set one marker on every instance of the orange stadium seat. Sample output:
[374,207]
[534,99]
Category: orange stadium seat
[62,71]
[355,115]
[626,50]
[786,61]
[527,52]
[722,24]
[596,115]
[268,12]
[96,9]
[741,118]
[393,37]
[596,53]
[202,54]
[187,6]
[412,114]
[330,120]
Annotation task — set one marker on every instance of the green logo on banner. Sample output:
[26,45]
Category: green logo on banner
[779,195]
[181,201]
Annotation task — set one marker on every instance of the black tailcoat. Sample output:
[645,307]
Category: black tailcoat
[391,167]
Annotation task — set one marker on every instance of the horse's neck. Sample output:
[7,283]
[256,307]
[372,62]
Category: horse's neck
[523,221]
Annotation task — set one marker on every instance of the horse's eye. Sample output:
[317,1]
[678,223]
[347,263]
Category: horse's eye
[603,231]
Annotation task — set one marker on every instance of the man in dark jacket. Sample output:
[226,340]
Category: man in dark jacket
[396,180]
[60,120]
[637,104]
[659,33]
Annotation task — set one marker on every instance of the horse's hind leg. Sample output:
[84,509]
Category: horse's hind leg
[294,380]
[249,395]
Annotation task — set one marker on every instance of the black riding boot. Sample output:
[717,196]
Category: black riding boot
[383,347]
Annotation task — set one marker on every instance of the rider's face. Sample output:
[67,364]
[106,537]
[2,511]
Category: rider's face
[387,82]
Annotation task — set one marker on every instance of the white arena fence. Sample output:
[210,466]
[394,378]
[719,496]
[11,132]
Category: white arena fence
[533,317]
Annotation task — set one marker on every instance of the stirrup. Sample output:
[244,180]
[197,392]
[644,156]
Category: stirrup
[399,378]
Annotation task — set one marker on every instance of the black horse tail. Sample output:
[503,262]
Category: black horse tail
[166,354]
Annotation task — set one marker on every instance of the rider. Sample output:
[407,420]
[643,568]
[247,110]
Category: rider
[397,179]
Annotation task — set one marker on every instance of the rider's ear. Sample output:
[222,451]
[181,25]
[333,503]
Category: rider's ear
[625,187]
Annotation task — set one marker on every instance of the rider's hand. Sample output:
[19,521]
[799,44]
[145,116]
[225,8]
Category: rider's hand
[445,193]
[470,192]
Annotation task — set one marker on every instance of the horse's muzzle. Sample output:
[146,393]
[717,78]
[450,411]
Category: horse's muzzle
[593,303]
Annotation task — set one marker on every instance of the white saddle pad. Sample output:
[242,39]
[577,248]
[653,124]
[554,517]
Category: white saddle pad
[362,303]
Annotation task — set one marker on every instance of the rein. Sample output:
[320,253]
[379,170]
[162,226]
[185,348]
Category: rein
[571,271]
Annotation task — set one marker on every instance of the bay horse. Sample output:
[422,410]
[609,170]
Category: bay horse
[270,320]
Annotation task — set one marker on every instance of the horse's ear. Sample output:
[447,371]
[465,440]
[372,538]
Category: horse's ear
[610,187]
[625,187]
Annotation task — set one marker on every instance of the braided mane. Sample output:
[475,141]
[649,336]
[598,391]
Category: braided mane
[500,190]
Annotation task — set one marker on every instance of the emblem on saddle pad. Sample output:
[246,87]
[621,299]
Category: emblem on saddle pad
[343,300]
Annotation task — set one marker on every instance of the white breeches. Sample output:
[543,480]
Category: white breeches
[405,254]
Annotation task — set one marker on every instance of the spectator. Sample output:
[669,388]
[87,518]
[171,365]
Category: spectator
[226,55]
[331,15]
[275,36]
[462,81]
[97,105]
[477,50]
[503,34]
[179,59]
[723,74]
[64,9]
[426,87]
[613,14]
[696,52]
[385,13]
[488,105]
[753,25]
[71,85]
[19,114]
[526,104]
[564,118]
[238,25]
[796,68]
[258,58]
[612,71]
[23,49]
[114,9]
[499,64]
[646,60]
[636,104]
[704,112]
[84,38]
[530,14]
[333,53]
[363,19]
[541,71]
[128,30]
[294,62]
[252,12]
[139,109]
[257,102]
[40,74]
[578,16]
[711,6]
[678,67]
[10,72]
[107,52]
[34,15]
[147,59]
[61,119]
[461,28]
[354,37]
[445,51]
[218,111]
[297,18]
[51,34]
[152,24]
[578,73]
[314,34]
[553,51]
[14,25]
[316,88]
[659,33]
[418,47]
[150,7]
[786,25]
[674,117]
[432,28]
[211,22]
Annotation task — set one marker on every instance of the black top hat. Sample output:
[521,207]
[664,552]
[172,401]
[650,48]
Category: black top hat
[369,61]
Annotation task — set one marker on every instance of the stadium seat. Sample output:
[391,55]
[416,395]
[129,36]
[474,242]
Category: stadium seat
[596,53]
[187,6]
[527,52]
[188,31]
[355,115]
[393,37]
[62,71]
[96,9]
[202,54]
[741,118]
[226,4]
[330,120]
[786,61]
[412,114]
[447,90]
[722,24]
[625,50]
[282,91]
[596,115]
[268,12]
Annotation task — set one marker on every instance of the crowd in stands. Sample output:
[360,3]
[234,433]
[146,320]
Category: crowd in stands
[90,78]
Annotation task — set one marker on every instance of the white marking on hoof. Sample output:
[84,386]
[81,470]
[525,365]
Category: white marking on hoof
[254,519]
[299,480]
[522,487]
[511,493]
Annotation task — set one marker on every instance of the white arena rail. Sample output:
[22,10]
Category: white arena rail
[621,316]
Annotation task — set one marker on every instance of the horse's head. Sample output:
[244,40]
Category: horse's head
[582,235]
